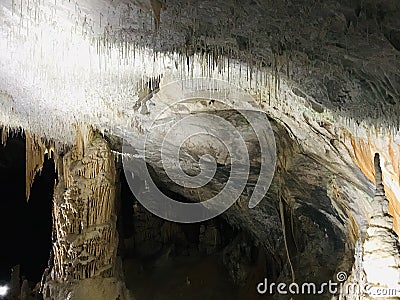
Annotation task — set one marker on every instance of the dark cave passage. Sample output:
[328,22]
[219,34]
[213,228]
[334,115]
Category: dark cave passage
[167,260]
[26,226]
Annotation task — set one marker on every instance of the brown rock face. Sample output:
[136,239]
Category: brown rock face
[390,152]
[85,235]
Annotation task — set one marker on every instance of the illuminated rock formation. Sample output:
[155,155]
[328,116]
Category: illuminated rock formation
[381,256]
[376,271]
[85,264]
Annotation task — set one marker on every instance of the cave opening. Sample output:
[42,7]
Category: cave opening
[27,225]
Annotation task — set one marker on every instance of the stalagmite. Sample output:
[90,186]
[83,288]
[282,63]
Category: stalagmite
[377,266]
[15,289]
[86,239]
[381,248]
[25,291]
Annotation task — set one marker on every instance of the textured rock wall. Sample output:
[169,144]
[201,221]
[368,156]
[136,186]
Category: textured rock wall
[85,234]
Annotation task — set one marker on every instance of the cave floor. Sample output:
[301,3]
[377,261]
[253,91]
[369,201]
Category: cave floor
[184,277]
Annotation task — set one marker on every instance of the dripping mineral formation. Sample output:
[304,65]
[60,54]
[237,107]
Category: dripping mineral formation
[79,78]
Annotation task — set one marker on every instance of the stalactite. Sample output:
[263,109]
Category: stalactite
[4,135]
[35,154]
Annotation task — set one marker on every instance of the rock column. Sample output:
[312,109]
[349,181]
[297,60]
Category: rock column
[381,256]
[85,264]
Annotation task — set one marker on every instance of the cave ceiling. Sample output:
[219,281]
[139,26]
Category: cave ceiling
[83,61]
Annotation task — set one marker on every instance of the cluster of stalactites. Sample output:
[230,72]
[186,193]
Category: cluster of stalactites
[32,142]
[36,149]
[6,132]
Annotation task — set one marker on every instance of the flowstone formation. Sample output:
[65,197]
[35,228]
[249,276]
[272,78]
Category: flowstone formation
[85,263]
[376,272]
